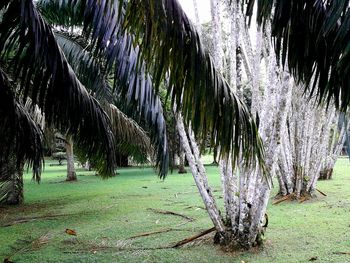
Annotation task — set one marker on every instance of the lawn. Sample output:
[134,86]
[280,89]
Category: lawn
[106,214]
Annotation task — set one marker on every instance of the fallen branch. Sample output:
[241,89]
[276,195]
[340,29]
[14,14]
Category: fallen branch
[185,193]
[341,253]
[284,198]
[303,199]
[165,212]
[30,219]
[190,239]
[196,207]
[322,193]
[152,233]
[97,249]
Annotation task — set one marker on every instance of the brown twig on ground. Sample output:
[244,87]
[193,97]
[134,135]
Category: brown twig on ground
[30,219]
[190,239]
[284,198]
[196,207]
[152,233]
[165,212]
[322,193]
[341,253]
[303,199]
[185,193]
[102,248]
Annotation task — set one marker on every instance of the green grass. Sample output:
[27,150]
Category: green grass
[105,213]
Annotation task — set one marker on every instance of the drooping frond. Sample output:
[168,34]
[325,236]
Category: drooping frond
[170,40]
[313,36]
[87,68]
[145,105]
[18,132]
[116,50]
[159,33]
[44,75]
[131,139]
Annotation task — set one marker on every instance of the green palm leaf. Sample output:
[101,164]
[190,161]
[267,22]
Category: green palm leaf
[18,132]
[145,105]
[44,75]
[131,139]
[313,36]
[164,43]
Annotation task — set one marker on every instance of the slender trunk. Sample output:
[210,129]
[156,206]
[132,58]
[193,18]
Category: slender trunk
[304,145]
[334,150]
[182,157]
[196,13]
[71,175]
[11,181]
[199,176]
[218,53]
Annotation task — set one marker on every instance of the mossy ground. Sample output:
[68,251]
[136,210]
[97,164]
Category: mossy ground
[106,213]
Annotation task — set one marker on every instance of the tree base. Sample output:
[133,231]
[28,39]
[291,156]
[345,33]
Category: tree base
[326,174]
[304,196]
[214,163]
[231,242]
[71,177]
[182,170]
[12,201]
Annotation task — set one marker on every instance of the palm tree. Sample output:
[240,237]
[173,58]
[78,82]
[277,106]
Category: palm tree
[141,51]
[21,140]
[313,38]
[131,139]
[50,82]
[126,34]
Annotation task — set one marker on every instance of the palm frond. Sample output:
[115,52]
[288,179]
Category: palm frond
[159,33]
[170,40]
[43,74]
[85,65]
[131,81]
[18,132]
[313,36]
[131,139]
[145,104]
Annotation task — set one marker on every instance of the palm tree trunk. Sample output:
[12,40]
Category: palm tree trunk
[71,175]
[182,156]
[304,145]
[199,175]
[334,150]
[11,181]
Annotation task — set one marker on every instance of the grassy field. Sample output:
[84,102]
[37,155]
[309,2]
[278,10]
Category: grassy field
[107,213]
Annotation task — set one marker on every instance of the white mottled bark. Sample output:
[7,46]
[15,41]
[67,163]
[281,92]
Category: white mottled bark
[199,175]
[218,53]
[321,151]
[233,44]
[196,13]
[304,145]
[71,175]
[274,108]
[228,178]
[334,148]
[255,85]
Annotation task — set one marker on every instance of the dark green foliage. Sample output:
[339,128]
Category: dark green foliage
[140,44]
[313,37]
[44,75]
[114,49]
[18,132]
[21,140]
[160,34]
[168,38]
